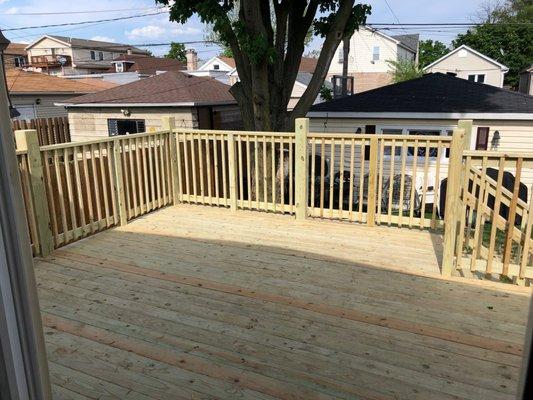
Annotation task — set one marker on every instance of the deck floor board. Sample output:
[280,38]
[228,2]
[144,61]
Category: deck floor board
[198,302]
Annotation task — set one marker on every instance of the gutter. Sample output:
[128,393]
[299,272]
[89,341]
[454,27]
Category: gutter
[422,115]
[115,105]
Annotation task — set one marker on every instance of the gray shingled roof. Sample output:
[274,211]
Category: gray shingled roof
[410,41]
[432,93]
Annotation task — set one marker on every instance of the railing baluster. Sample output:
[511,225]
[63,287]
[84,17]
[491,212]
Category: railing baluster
[341,180]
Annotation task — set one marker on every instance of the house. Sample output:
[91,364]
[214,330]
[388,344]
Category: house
[370,51]
[526,81]
[223,69]
[432,105]
[145,65]
[60,55]
[195,102]
[15,55]
[467,63]
[33,94]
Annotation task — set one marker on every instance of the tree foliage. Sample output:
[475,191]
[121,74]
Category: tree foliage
[404,70]
[177,52]
[430,51]
[506,35]
[267,41]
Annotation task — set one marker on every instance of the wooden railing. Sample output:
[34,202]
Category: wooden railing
[377,179]
[51,130]
[75,189]
[495,220]
[240,170]
[72,190]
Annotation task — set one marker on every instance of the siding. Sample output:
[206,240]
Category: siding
[46,108]
[471,64]
[91,123]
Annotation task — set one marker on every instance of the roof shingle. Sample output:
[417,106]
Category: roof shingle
[19,81]
[171,87]
[432,93]
[149,65]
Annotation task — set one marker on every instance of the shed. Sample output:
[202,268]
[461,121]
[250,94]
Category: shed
[195,102]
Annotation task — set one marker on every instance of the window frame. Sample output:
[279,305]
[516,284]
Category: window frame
[19,61]
[100,56]
[137,121]
[93,55]
[476,76]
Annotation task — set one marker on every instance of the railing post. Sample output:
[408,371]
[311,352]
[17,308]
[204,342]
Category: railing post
[466,125]
[29,140]
[452,211]
[169,123]
[232,165]
[372,182]
[300,170]
[118,183]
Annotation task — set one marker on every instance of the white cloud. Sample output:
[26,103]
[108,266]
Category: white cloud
[165,29]
[149,32]
[12,10]
[103,38]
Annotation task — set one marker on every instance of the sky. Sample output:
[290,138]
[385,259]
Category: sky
[157,28]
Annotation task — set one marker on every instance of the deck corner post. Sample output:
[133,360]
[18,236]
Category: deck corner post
[232,173]
[372,182]
[452,209]
[466,125]
[118,183]
[300,175]
[28,140]
[169,124]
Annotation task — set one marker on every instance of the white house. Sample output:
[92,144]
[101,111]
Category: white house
[370,51]
[467,63]
[60,55]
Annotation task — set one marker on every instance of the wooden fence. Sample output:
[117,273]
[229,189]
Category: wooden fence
[51,130]
[76,189]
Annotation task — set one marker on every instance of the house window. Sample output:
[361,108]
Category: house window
[415,130]
[100,55]
[216,66]
[375,53]
[125,126]
[479,78]
[93,55]
[451,73]
[27,111]
[421,151]
[19,61]
[341,55]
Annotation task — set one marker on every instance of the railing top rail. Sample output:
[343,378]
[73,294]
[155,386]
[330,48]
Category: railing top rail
[233,132]
[21,152]
[103,140]
[366,136]
[498,154]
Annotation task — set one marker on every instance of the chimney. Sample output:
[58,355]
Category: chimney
[129,51]
[192,60]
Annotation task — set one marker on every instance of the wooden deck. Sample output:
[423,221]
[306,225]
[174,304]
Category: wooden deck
[195,302]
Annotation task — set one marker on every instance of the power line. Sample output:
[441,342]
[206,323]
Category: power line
[394,14]
[81,12]
[85,22]
[458,24]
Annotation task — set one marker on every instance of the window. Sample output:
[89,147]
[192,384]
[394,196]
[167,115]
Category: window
[125,126]
[93,55]
[479,78]
[100,55]
[341,55]
[482,138]
[451,73]
[375,53]
[421,151]
[388,149]
[27,111]
[216,66]
[19,61]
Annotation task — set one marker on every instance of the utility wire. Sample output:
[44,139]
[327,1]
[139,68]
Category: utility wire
[85,22]
[82,12]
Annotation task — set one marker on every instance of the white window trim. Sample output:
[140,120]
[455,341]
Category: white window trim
[405,131]
[374,53]
[476,73]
